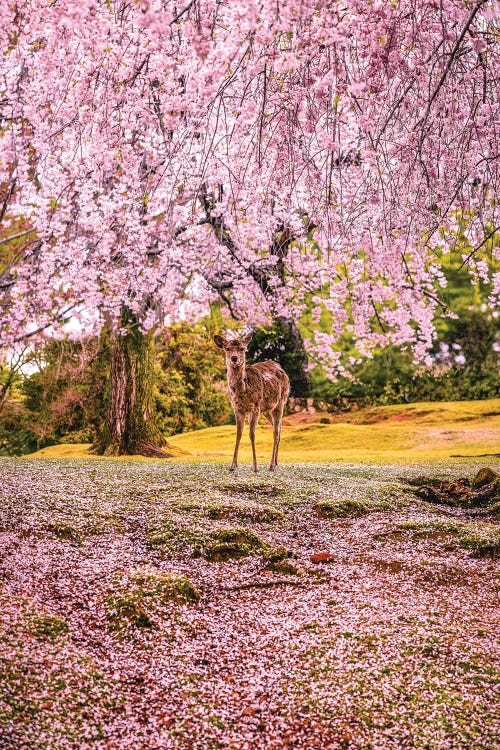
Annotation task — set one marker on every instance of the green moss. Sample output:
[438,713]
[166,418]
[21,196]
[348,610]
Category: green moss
[284,567]
[172,537]
[164,587]
[430,527]
[276,554]
[45,625]
[240,509]
[65,531]
[128,610]
[482,538]
[219,552]
[245,512]
[90,524]
[145,597]
[234,543]
[342,508]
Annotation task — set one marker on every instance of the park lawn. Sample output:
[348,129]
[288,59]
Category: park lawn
[169,605]
[409,432]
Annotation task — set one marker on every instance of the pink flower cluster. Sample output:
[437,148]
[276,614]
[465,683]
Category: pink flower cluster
[264,151]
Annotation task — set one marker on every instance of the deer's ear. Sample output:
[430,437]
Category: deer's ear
[219,341]
[247,338]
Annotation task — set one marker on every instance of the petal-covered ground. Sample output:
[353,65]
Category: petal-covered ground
[154,605]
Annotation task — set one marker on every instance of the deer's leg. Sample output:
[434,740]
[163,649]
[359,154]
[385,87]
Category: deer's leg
[240,421]
[277,416]
[253,418]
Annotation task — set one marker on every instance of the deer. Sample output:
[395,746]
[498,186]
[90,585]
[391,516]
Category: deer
[253,389]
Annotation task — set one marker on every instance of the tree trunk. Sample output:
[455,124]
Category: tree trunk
[131,427]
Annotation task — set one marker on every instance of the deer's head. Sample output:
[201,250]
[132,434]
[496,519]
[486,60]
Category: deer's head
[235,346]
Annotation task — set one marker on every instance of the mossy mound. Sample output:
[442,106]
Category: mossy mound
[241,510]
[145,597]
[276,554]
[45,625]
[485,476]
[343,508]
[170,536]
[65,531]
[283,567]
[93,524]
[483,539]
[227,544]
[252,512]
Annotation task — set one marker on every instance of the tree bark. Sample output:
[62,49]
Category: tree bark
[131,428]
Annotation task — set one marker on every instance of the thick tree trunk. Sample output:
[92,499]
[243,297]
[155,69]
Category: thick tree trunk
[131,427]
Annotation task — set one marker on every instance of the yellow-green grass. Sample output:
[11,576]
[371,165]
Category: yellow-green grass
[84,450]
[402,433]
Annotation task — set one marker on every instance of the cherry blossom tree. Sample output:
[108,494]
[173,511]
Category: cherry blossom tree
[282,155]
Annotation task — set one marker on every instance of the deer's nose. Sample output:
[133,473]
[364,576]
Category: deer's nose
[234,358]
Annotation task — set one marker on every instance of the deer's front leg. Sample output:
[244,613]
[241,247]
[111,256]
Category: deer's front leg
[253,418]
[240,421]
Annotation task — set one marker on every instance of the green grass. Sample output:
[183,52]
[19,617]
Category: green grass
[411,432]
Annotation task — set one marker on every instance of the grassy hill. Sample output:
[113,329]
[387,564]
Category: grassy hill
[402,433]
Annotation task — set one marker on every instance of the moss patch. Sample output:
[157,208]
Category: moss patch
[252,512]
[342,508]
[283,567]
[276,554]
[171,536]
[227,544]
[65,531]
[45,625]
[145,597]
[242,510]
[483,539]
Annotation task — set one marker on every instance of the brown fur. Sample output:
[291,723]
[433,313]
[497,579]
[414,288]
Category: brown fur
[254,389]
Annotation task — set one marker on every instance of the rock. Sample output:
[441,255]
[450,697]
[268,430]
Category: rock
[322,557]
[485,476]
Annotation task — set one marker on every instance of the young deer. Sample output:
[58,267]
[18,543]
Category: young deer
[262,387]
